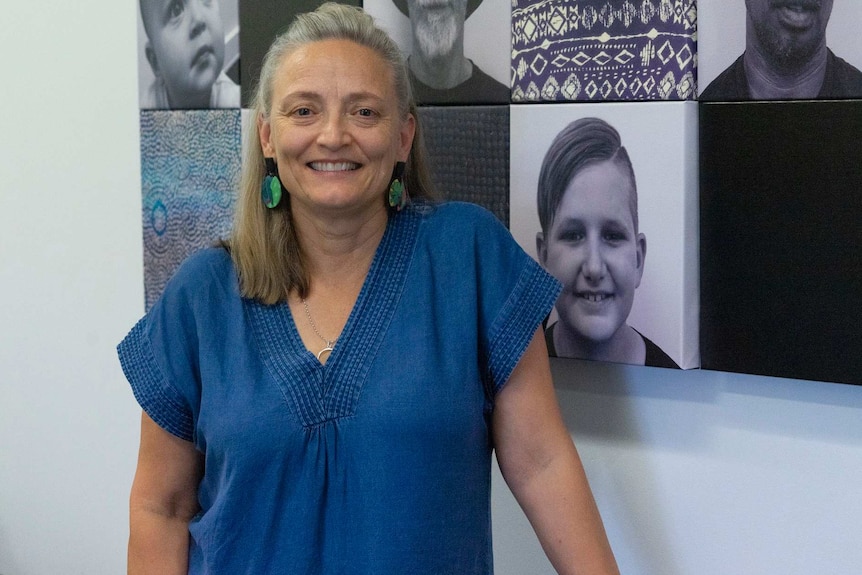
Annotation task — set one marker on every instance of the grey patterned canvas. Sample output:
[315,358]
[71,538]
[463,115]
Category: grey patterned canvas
[565,50]
[468,148]
[190,163]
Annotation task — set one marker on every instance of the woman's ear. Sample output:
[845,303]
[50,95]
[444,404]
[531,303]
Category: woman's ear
[641,255]
[541,248]
[408,131]
[265,134]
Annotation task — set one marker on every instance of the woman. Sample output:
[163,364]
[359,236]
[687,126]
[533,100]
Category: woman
[588,211]
[325,397]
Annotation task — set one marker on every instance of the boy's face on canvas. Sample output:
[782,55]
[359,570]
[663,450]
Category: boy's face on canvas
[593,248]
[186,45]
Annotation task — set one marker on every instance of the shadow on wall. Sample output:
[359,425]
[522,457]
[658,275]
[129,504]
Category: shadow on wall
[638,429]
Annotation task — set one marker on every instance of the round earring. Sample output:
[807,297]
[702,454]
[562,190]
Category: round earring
[270,188]
[398,196]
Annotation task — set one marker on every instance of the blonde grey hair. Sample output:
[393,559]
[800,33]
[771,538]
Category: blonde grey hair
[264,246]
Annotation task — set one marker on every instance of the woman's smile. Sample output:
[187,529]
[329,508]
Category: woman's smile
[334,166]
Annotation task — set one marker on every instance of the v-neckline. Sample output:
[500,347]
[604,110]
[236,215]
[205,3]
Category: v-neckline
[321,392]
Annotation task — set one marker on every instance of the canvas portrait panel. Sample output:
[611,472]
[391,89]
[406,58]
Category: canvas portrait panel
[184,53]
[261,21]
[486,43]
[601,50]
[661,141]
[468,154]
[190,165]
[721,35]
[781,273]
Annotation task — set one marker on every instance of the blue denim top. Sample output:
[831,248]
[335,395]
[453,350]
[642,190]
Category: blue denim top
[377,462]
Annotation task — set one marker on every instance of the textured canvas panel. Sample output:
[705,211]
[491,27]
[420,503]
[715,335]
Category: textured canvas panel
[568,50]
[261,21]
[190,163]
[188,45]
[781,239]
[468,148]
[661,141]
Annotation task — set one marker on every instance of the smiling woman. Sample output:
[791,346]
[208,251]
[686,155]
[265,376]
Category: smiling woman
[350,359]
[335,130]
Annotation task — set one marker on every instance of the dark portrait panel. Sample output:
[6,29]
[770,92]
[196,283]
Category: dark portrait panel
[660,140]
[790,36]
[603,50]
[457,50]
[261,22]
[781,239]
[188,55]
[190,163]
[468,149]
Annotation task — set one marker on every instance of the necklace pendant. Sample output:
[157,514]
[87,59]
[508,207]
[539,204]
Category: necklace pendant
[329,342]
[328,348]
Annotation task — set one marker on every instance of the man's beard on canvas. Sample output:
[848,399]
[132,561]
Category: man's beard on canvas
[786,54]
[436,35]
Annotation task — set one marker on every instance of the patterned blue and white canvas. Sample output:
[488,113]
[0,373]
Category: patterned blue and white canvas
[565,50]
[190,164]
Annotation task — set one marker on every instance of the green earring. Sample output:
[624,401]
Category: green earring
[397,193]
[270,188]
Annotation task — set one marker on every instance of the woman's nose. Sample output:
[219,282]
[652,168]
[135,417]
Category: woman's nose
[333,133]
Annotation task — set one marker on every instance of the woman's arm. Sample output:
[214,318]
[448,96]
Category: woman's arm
[542,468]
[162,502]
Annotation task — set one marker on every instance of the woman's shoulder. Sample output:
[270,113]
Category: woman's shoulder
[205,271]
[207,262]
[457,215]
[460,209]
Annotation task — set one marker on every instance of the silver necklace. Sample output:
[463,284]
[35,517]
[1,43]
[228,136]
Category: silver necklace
[330,343]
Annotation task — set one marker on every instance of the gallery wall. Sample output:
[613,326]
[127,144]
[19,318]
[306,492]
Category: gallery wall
[694,471]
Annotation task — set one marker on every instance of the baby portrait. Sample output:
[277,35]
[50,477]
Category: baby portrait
[188,54]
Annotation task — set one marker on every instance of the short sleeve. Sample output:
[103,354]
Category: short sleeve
[154,393]
[160,355]
[530,301]
[515,295]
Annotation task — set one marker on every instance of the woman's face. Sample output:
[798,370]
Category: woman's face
[334,127]
[593,249]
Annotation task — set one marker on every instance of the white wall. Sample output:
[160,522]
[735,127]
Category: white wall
[694,472]
[709,473]
[71,283]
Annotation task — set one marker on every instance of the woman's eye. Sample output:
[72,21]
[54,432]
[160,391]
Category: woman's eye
[302,111]
[366,112]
